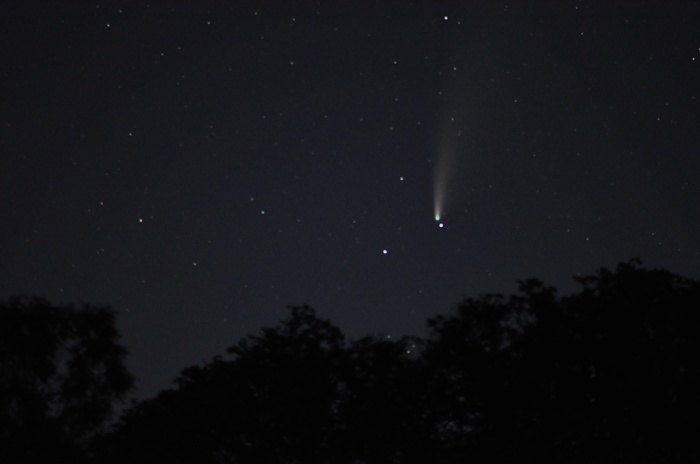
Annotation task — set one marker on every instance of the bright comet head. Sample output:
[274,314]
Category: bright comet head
[437,217]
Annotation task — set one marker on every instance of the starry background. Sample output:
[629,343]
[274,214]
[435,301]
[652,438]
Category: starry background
[200,167]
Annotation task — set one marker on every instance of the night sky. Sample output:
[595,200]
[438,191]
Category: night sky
[200,167]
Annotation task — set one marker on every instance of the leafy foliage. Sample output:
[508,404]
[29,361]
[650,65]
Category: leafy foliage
[61,370]
[608,374]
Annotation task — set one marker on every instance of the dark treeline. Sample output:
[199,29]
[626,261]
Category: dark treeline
[607,374]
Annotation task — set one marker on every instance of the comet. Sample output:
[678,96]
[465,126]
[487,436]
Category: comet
[449,147]
[452,149]
[446,165]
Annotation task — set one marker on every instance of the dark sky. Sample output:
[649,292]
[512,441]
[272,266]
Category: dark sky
[200,167]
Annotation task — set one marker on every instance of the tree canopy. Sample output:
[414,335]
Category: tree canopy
[607,374]
[61,371]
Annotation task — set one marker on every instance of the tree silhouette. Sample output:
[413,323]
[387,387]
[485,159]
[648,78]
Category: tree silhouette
[61,370]
[276,400]
[383,403]
[294,393]
[607,374]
